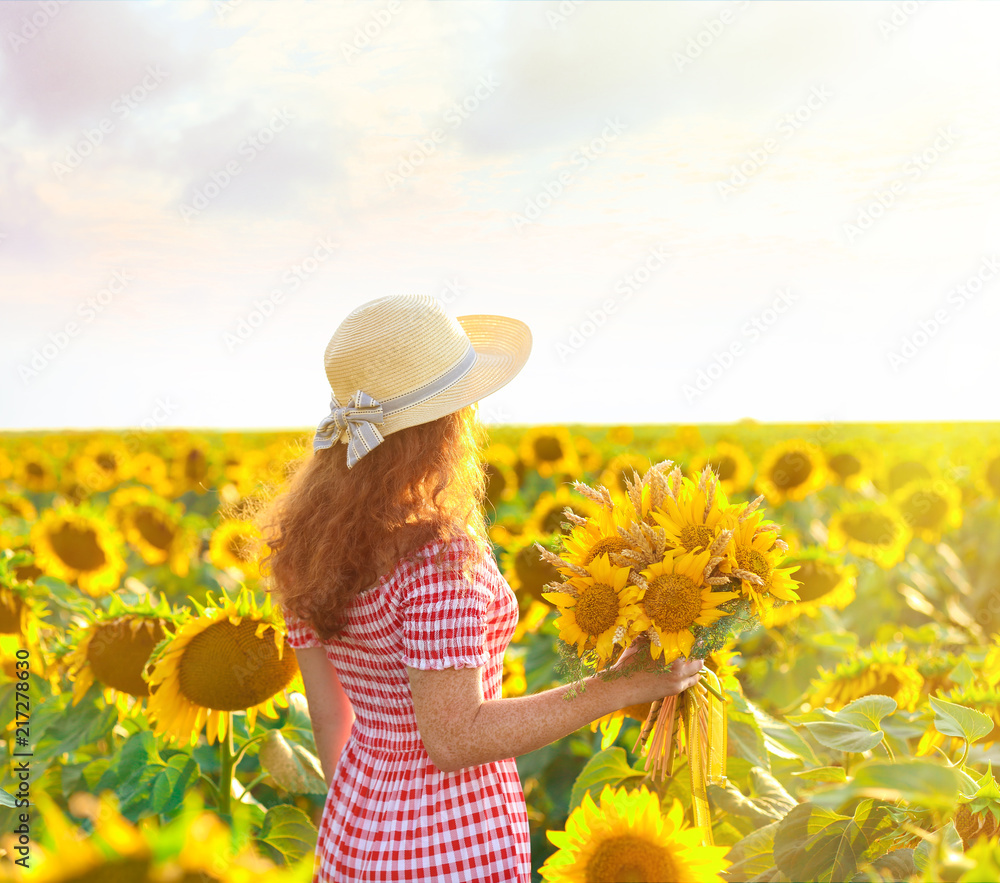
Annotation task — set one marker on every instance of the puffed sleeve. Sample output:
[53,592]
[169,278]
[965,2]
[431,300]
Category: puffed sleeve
[444,616]
[299,634]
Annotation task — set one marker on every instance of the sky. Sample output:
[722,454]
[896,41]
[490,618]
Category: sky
[705,211]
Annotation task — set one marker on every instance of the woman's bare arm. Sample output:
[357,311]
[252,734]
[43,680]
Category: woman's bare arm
[461,729]
[329,708]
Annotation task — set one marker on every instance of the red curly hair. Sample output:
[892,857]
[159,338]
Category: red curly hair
[333,531]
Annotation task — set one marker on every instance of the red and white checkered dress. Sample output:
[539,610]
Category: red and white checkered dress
[390,813]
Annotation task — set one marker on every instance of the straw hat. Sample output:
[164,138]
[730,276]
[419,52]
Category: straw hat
[400,361]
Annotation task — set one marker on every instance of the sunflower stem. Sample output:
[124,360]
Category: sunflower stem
[246,745]
[226,768]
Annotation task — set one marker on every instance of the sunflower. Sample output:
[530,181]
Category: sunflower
[929,507]
[549,450]
[499,463]
[21,605]
[34,471]
[514,683]
[190,467]
[729,462]
[588,454]
[78,545]
[150,470]
[6,466]
[877,671]
[902,473]
[103,464]
[675,599]
[113,651]
[692,518]
[597,609]
[611,724]
[619,435]
[722,662]
[154,527]
[14,506]
[989,478]
[825,581]
[525,570]
[869,530]
[628,837]
[791,470]
[230,657]
[621,467]
[851,466]
[597,536]
[755,561]
[236,545]
[548,514]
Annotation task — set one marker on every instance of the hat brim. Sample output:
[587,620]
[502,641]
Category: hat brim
[502,347]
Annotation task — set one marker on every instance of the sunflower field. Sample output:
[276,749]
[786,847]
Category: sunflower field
[155,727]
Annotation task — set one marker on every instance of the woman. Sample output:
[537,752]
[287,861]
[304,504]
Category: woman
[398,614]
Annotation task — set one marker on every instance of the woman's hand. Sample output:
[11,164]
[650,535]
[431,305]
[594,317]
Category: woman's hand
[650,684]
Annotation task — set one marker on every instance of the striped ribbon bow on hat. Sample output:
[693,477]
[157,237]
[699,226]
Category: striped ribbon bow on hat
[359,419]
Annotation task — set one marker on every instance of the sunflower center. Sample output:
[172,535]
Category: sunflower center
[533,572]
[672,601]
[724,467]
[127,870]
[11,606]
[548,449]
[629,859]
[496,484]
[609,546]
[752,560]
[195,465]
[791,469]
[227,668]
[117,655]
[817,579]
[107,462]
[35,470]
[241,547]
[993,474]
[553,520]
[154,527]
[844,464]
[597,609]
[77,547]
[696,536]
[873,528]
[924,508]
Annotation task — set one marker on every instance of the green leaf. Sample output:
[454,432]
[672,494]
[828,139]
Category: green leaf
[7,799]
[780,739]
[922,783]
[844,736]
[872,708]
[753,855]
[289,831]
[171,783]
[823,774]
[813,843]
[767,802]
[608,767]
[746,739]
[138,753]
[951,719]
[962,673]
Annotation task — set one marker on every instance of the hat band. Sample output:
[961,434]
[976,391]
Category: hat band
[357,423]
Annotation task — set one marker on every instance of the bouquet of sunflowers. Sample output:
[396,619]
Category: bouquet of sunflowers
[675,566]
